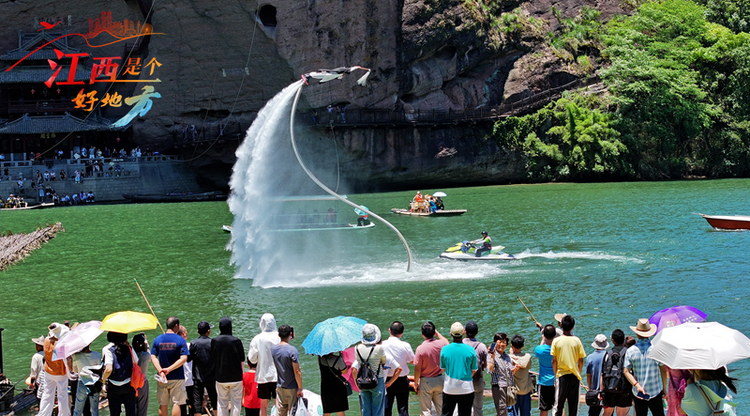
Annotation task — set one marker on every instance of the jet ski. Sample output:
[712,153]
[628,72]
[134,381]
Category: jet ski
[466,250]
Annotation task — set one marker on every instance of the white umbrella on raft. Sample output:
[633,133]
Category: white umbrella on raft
[704,346]
[440,194]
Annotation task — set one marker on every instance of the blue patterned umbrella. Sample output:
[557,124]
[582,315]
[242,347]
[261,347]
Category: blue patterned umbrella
[334,334]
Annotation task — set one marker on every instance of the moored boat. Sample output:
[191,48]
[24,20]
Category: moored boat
[37,206]
[313,227]
[176,197]
[728,222]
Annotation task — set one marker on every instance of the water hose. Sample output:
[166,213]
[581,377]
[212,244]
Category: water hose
[331,192]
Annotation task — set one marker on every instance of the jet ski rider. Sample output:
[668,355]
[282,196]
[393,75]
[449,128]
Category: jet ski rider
[486,244]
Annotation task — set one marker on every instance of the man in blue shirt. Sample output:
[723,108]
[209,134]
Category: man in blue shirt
[459,361]
[168,353]
[594,368]
[546,380]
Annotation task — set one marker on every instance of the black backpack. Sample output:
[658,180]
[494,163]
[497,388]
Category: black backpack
[366,378]
[122,367]
[613,379]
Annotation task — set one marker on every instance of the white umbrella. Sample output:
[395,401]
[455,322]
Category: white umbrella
[705,345]
[440,194]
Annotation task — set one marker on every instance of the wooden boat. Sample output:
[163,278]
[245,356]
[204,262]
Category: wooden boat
[42,205]
[728,222]
[438,213]
[176,197]
[313,227]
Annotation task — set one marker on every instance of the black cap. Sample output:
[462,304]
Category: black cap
[484,232]
[203,327]
[471,328]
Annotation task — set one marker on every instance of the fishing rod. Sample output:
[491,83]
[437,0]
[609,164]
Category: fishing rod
[527,310]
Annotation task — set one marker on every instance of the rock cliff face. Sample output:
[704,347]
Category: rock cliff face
[222,61]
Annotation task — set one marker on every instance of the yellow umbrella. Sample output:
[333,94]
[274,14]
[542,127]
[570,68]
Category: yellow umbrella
[128,321]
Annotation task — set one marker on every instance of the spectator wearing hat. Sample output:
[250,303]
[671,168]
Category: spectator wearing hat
[402,353]
[286,360]
[567,360]
[56,376]
[36,376]
[459,361]
[228,354]
[472,329]
[428,376]
[594,368]
[558,329]
[204,376]
[521,376]
[648,377]
[372,401]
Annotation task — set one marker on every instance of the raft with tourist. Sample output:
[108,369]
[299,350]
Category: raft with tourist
[428,206]
[177,197]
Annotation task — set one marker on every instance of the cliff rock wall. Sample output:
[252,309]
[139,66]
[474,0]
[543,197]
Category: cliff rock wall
[222,61]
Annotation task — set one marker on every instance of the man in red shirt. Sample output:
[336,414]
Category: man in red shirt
[428,376]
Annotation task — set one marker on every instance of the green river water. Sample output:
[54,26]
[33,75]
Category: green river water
[607,254]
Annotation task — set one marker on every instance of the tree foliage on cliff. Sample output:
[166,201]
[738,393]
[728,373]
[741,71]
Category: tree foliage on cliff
[679,87]
[572,138]
[681,96]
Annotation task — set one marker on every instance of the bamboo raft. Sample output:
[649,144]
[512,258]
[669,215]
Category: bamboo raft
[16,247]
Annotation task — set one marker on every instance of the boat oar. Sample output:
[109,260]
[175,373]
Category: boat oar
[149,305]
[527,310]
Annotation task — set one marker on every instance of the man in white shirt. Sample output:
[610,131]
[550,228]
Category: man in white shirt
[401,353]
[259,353]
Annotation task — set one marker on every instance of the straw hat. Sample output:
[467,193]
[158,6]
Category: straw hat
[643,328]
[38,341]
[559,316]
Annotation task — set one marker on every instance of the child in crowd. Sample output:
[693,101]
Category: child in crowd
[250,399]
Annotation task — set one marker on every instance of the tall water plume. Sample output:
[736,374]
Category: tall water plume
[257,175]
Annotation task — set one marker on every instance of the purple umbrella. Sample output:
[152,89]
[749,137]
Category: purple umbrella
[676,315]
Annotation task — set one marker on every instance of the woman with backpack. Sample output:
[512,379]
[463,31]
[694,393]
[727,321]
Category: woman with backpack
[706,393]
[367,370]
[118,368]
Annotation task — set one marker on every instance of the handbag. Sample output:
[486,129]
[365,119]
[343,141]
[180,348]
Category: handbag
[342,379]
[511,390]
[592,398]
